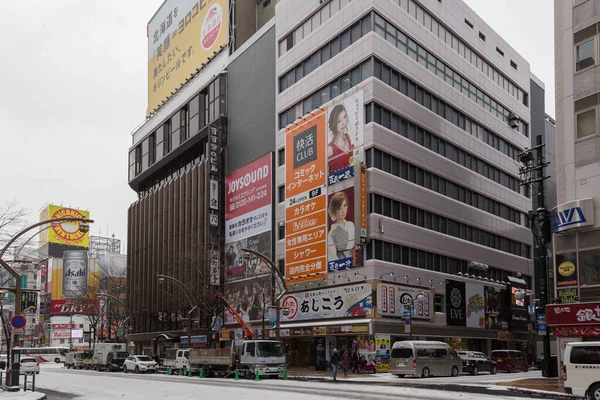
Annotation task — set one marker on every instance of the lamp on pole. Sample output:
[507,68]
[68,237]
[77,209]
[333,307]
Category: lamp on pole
[419,297]
[186,291]
[275,271]
[12,380]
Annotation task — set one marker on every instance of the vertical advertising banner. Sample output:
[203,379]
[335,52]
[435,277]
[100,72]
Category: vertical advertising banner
[345,123]
[182,35]
[566,269]
[341,231]
[75,282]
[305,198]
[493,308]
[455,303]
[475,296]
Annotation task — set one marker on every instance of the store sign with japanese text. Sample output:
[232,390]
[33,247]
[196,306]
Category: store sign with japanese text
[475,299]
[573,314]
[182,36]
[305,198]
[392,300]
[82,306]
[67,233]
[567,296]
[329,302]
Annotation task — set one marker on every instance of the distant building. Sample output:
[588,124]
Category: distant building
[104,245]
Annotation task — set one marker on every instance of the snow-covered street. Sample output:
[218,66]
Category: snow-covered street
[60,383]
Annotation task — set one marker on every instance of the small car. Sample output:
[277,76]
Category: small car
[474,362]
[139,363]
[29,365]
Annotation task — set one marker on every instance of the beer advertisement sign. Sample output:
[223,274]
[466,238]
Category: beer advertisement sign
[75,282]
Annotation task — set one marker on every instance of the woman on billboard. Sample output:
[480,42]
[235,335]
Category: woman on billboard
[340,151]
[340,239]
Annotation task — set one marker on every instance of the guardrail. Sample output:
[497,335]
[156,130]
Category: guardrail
[25,380]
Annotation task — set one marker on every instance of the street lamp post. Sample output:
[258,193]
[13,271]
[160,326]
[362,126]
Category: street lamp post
[275,271]
[161,280]
[419,297]
[116,299]
[12,382]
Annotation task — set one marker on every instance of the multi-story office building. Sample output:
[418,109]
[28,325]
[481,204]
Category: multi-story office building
[222,107]
[574,221]
[447,108]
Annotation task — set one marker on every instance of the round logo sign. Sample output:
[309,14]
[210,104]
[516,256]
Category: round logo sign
[566,268]
[67,232]
[291,304]
[455,298]
[211,26]
[405,298]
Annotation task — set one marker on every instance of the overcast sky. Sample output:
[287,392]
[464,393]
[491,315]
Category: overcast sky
[73,87]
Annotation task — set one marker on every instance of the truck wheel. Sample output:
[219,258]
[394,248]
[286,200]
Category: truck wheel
[57,360]
[593,392]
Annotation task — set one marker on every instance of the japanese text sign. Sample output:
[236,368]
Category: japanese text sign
[573,314]
[248,200]
[329,302]
[182,35]
[306,199]
[392,299]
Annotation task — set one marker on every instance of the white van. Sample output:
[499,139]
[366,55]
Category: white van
[581,369]
[424,358]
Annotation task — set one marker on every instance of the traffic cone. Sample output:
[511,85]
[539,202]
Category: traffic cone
[237,375]
[156,370]
[202,372]
[190,372]
[256,375]
[169,371]
[285,374]
[180,372]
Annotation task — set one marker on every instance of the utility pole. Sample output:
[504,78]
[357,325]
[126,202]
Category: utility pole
[533,175]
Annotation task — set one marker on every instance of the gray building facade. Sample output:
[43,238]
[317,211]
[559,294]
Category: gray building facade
[441,91]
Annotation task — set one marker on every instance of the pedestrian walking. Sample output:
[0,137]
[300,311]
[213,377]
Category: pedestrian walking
[355,362]
[346,362]
[334,361]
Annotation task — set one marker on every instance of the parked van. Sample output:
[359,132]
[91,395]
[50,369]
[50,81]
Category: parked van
[581,369]
[424,358]
[510,360]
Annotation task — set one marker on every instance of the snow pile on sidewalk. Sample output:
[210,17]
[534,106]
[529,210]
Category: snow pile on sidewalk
[22,395]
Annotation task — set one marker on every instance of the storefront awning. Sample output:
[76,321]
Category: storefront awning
[358,321]
[516,280]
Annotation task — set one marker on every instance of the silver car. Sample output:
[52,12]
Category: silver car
[424,358]
[29,365]
[139,363]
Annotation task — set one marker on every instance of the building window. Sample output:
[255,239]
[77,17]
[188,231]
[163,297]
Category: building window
[589,273]
[167,137]
[500,51]
[281,193]
[586,123]
[152,149]
[184,126]
[281,230]
[585,55]
[481,36]
[469,24]
[281,157]
[514,65]
[281,266]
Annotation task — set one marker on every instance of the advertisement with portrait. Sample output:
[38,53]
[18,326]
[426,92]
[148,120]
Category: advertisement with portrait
[345,122]
[64,233]
[456,303]
[566,269]
[29,302]
[475,298]
[306,198]
[249,297]
[239,266]
[383,347]
[343,252]
[182,36]
[392,299]
[354,300]
[493,308]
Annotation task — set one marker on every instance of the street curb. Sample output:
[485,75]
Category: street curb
[537,393]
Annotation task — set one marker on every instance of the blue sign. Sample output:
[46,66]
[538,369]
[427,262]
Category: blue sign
[541,328]
[218,322]
[23,281]
[531,310]
[340,176]
[541,318]
[573,214]
[195,339]
[407,314]
[18,321]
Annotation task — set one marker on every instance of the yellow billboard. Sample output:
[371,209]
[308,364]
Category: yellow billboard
[66,233]
[182,35]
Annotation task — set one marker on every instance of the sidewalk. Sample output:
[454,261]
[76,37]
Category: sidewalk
[549,385]
[310,373]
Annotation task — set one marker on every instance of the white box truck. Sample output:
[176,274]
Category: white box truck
[109,356]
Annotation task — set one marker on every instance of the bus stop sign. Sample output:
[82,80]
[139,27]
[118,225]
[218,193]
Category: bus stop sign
[18,321]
